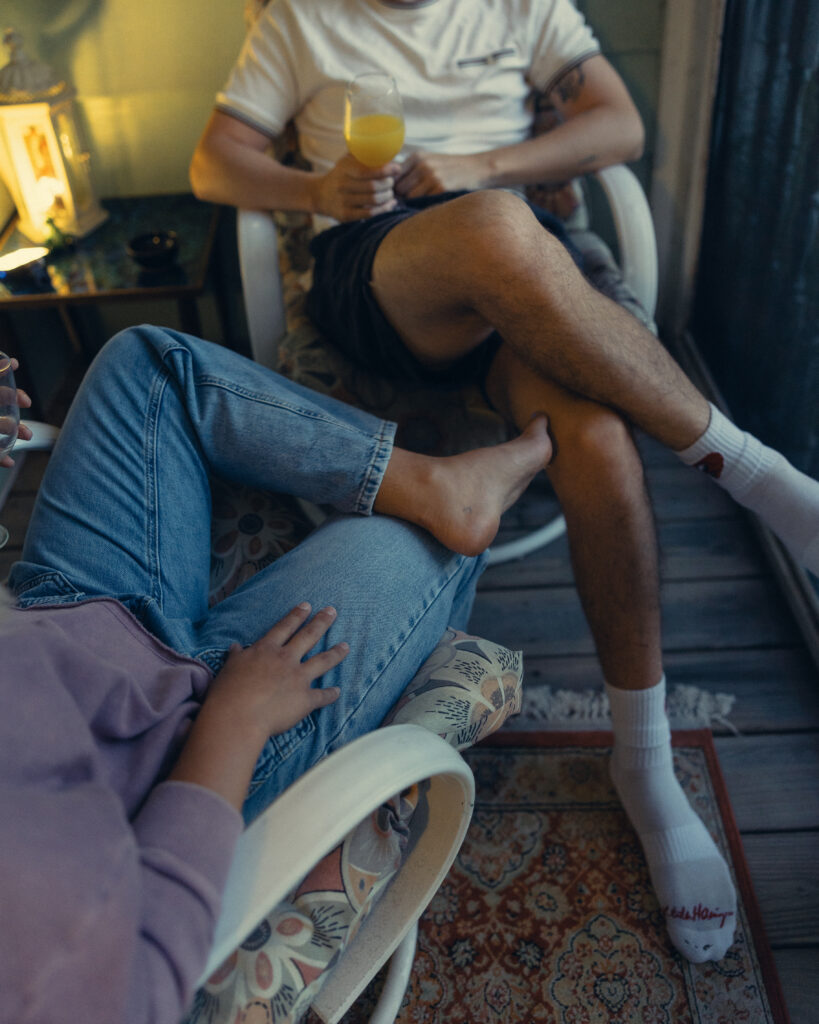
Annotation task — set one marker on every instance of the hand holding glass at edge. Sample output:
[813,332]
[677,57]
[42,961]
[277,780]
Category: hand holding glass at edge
[10,401]
[373,118]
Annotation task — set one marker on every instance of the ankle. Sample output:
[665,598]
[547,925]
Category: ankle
[404,486]
[638,717]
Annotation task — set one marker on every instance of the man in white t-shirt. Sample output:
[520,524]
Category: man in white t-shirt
[435,267]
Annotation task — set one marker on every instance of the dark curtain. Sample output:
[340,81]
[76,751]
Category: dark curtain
[756,310]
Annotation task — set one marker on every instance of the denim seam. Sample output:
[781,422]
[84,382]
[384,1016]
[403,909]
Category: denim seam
[151,473]
[374,474]
[262,399]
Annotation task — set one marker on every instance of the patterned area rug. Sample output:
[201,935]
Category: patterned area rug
[548,914]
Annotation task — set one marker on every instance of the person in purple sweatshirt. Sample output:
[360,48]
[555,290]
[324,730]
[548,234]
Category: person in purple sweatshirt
[139,728]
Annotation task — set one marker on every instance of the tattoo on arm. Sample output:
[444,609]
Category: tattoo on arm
[570,86]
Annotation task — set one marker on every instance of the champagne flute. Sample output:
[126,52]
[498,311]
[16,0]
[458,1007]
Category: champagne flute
[373,118]
[9,418]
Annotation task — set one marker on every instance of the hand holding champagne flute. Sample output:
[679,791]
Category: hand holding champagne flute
[373,118]
[9,418]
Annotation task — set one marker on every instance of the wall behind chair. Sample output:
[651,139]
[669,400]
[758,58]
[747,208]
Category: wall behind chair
[631,35]
[146,74]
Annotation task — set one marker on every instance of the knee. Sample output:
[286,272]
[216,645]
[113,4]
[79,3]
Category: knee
[500,237]
[127,347]
[596,454]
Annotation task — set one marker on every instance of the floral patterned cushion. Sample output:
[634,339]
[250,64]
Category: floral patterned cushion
[249,530]
[465,690]
[274,976]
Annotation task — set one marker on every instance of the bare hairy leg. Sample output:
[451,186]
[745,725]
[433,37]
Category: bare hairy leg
[597,474]
[598,477]
[459,499]
[450,274]
[564,341]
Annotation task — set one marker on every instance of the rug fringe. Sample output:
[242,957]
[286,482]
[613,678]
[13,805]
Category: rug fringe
[688,707]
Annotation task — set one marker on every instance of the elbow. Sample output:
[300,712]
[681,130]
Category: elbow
[198,177]
[634,138]
[204,175]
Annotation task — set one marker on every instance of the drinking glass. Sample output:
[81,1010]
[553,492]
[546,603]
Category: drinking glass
[9,418]
[373,118]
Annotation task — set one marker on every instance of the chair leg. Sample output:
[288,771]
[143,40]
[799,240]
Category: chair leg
[397,979]
[526,545]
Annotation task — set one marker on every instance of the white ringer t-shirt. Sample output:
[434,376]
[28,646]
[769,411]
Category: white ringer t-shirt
[466,69]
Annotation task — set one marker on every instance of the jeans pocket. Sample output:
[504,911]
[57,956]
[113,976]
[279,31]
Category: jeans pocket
[32,587]
[274,754]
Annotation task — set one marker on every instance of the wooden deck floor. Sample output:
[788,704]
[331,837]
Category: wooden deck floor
[727,629]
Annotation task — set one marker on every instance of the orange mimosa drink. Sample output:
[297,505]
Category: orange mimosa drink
[374,139]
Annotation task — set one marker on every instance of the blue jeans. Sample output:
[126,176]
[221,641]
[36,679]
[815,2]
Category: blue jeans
[124,511]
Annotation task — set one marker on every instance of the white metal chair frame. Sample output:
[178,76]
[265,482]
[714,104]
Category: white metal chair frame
[312,817]
[263,294]
[43,436]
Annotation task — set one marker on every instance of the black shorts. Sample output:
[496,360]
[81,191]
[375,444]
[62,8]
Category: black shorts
[341,303]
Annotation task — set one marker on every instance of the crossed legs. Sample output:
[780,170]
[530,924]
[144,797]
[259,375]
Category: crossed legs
[563,340]
[445,279]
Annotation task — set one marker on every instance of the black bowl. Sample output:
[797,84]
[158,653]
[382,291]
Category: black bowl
[154,250]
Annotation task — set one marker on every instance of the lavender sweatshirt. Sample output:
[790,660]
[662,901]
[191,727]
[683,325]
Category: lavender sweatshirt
[110,878]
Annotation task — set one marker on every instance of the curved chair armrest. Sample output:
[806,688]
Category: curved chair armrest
[258,245]
[635,232]
[511,550]
[312,817]
[42,439]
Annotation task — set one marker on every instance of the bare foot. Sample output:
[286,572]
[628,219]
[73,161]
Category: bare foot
[460,498]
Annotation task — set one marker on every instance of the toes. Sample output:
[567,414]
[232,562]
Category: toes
[700,947]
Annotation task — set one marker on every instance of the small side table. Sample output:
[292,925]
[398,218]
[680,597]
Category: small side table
[97,269]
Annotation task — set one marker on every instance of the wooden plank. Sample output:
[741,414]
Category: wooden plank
[786,883]
[707,614]
[7,557]
[653,453]
[797,972]
[16,511]
[689,549]
[772,780]
[676,492]
[16,514]
[775,690]
[680,492]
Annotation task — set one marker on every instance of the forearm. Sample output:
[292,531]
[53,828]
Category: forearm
[220,754]
[588,142]
[224,170]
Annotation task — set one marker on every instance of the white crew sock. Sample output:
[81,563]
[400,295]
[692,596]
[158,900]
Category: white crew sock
[690,878]
[761,479]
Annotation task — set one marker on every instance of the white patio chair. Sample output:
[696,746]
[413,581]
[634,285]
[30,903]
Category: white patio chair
[43,436]
[310,818]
